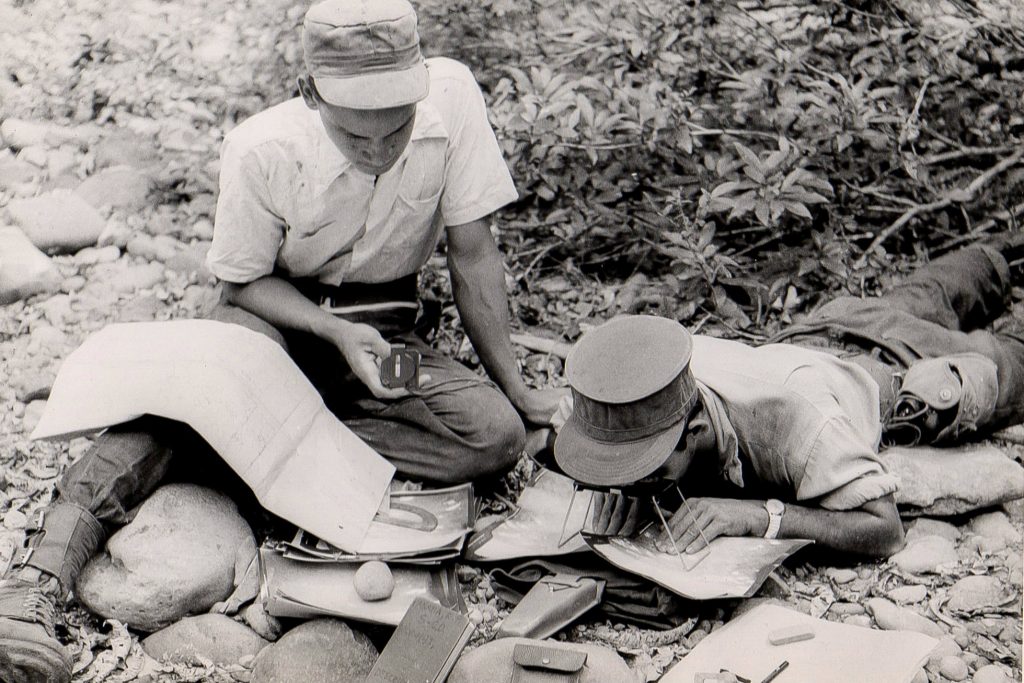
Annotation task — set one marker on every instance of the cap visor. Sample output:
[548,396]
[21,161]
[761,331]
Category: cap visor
[613,464]
[379,90]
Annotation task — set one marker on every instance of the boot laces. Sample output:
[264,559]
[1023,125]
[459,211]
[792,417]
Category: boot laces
[28,602]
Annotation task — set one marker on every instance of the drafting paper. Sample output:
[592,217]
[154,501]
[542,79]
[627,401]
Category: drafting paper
[533,529]
[838,653]
[734,568]
[246,397]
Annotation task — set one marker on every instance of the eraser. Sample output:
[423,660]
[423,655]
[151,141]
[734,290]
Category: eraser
[790,634]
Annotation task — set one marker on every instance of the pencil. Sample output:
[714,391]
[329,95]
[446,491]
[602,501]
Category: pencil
[775,672]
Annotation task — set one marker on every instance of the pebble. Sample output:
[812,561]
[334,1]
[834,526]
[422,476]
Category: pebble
[946,647]
[207,637]
[72,284]
[995,525]
[138,277]
[475,616]
[925,526]
[140,309]
[14,172]
[990,674]
[120,187]
[33,413]
[35,155]
[984,545]
[953,668]
[25,270]
[929,554]
[267,626]
[976,594]
[374,581]
[892,618]
[908,594]
[21,133]
[961,635]
[203,229]
[90,256]
[59,220]
[61,161]
[844,608]
[842,576]
[862,620]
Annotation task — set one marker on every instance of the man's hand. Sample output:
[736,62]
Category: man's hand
[714,517]
[364,348]
[614,514]
[539,406]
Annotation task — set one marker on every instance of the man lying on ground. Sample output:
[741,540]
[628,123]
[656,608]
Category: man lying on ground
[781,440]
[329,205]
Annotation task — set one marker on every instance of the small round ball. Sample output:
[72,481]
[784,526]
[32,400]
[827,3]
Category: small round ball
[374,581]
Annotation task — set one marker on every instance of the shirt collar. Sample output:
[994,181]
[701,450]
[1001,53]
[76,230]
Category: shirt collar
[331,163]
[725,436]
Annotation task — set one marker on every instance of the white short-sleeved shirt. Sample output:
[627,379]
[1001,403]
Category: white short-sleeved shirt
[806,420]
[290,200]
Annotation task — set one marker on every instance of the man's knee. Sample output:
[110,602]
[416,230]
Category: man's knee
[494,444]
[229,313]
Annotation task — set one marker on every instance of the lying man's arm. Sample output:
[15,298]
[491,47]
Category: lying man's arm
[478,287]
[874,529]
[279,303]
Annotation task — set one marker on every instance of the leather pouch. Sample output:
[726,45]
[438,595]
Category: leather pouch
[539,664]
[551,604]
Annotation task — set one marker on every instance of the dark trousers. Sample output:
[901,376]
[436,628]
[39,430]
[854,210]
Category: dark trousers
[955,304]
[459,427]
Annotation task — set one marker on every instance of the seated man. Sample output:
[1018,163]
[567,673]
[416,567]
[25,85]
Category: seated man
[329,205]
[745,428]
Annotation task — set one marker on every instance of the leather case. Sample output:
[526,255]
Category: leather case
[539,664]
[550,605]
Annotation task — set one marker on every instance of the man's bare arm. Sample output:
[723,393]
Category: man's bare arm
[478,287]
[874,529]
[282,305]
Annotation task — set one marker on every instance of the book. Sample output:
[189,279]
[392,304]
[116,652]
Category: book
[424,647]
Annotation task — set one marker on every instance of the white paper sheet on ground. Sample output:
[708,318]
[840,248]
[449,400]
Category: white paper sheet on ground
[533,529]
[250,402]
[414,522]
[838,653]
[290,588]
[734,568]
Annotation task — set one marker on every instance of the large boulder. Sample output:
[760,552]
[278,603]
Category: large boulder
[951,481]
[59,221]
[493,662]
[317,651]
[210,637]
[24,270]
[177,557]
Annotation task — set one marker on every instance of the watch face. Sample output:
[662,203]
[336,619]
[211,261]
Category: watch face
[775,506]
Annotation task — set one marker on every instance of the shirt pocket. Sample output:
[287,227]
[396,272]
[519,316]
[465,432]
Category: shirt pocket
[416,233]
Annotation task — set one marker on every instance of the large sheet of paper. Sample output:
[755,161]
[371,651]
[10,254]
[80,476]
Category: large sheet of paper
[302,590]
[534,529]
[250,402]
[734,567]
[838,653]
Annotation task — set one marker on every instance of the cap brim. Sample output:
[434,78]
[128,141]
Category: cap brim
[600,463]
[377,90]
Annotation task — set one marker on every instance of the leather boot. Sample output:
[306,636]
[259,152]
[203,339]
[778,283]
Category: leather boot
[33,593]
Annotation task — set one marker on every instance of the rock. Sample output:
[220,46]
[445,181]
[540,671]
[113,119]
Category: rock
[177,557]
[57,310]
[317,651]
[46,339]
[493,662]
[861,620]
[35,155]
[843,608]
[143,276]
[160,248]
[210,637]
[907,594]
[115,233]
[842,576]
[920,677]
[924,526]
[15,172]
[951,481]
[995,525]
[33,413]
[61,161]
[141,309]
[24,270]
[953,668]
[32,386]
[977,594]
[374,581]
[19,133]
[125,148]
[892,618]
[202,229]
[90,256]
[192,259]
[265,625]
[59,221]
[946,647]
[120,187]
[929,554]
[990,674]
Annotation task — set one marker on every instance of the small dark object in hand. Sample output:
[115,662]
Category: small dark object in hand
[401,369]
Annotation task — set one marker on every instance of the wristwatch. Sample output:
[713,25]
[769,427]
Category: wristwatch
[775,510]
